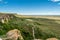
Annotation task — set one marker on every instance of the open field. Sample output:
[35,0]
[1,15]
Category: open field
[56,17]
[45,27]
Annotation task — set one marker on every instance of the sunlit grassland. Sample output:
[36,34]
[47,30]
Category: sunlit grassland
[45,27]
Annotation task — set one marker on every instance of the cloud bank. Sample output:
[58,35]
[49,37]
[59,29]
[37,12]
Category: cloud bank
[55,0]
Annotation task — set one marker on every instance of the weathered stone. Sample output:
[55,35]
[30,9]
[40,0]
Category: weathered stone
[37,39]
[0,38]
[52,39]
[5,18]
[14,34]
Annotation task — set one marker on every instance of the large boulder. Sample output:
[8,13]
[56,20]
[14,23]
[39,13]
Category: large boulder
[14,35]
[0,38]
[52,39]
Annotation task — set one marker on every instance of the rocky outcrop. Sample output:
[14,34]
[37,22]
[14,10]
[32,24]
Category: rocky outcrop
[14,35]
[52,39]
[5,18]
[0,38]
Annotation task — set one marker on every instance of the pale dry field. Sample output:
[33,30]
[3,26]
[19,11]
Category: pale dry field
[48,17]
[56,18]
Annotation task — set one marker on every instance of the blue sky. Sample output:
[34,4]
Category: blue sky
[31,7]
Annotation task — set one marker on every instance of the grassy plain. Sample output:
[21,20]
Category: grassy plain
[45,26]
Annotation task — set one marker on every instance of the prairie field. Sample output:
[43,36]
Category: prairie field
[44,26]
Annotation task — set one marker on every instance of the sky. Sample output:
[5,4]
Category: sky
[31,7]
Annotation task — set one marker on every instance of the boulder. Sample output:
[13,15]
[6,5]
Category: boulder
[14,35]
[52,39]
[0,38]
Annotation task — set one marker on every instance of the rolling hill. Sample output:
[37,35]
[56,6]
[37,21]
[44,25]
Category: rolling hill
[44,27]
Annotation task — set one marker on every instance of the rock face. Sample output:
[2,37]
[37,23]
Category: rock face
[4,18]
[0,39]
[14,35]
[52,39]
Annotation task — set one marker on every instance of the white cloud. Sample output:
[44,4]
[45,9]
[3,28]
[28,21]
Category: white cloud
[3,2]
[54,0]
[0,0]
